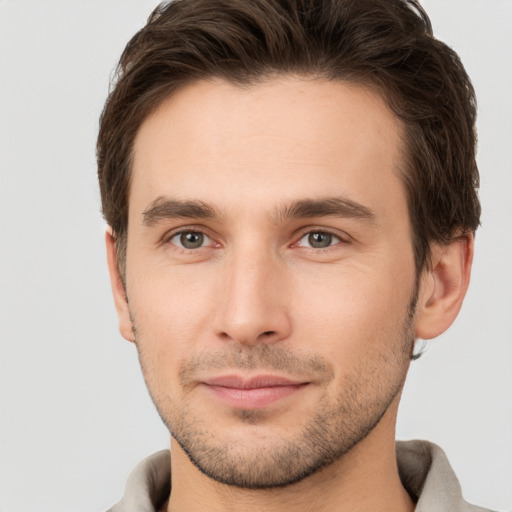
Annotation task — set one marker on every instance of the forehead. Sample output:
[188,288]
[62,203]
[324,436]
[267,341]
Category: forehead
[285,137]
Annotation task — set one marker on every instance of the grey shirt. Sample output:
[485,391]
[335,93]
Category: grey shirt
[423,467]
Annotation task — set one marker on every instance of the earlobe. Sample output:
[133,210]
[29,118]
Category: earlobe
[118,289]
[444,286]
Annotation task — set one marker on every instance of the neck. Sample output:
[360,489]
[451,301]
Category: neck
[365,478]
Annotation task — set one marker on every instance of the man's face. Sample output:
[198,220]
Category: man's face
[270,273]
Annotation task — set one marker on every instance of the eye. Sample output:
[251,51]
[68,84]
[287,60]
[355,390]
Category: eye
[190,240]
[318,240]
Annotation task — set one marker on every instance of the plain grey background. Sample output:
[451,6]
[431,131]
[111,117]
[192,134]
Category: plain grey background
[75,415]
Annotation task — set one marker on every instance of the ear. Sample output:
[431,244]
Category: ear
[444,286]
[118,290]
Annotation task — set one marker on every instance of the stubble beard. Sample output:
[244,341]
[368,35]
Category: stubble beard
[335,428]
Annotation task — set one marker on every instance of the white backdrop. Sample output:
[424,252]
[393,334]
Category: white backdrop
[75,415]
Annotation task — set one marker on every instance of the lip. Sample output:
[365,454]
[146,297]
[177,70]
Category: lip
[252,393]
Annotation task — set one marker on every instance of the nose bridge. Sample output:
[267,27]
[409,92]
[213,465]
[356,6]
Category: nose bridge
[254,305]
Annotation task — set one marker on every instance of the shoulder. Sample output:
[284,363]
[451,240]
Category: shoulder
[148,485]
[429,478]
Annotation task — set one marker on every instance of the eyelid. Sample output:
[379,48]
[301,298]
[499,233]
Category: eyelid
[343,237]
[166,238]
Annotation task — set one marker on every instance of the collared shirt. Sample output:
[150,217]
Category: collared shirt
[424,470]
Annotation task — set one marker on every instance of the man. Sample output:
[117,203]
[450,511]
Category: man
[291,193]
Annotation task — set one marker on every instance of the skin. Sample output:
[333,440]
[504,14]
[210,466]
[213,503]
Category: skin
[328,298]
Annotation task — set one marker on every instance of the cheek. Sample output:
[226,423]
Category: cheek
[171,309]
[348,313]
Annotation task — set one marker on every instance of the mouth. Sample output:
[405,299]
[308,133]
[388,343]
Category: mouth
[252,393]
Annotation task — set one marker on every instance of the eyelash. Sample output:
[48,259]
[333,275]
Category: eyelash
[321,231]
[167,239]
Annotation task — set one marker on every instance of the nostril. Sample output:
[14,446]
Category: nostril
[268,333]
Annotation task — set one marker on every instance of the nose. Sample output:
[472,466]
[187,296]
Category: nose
[253,301]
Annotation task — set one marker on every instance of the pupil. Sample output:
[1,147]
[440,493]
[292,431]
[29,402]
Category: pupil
[192,240]
[320,240]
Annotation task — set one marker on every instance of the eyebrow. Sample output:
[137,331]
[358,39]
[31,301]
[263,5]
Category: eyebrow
[329,206]
[164,208]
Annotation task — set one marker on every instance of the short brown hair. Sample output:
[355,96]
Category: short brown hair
[384,44]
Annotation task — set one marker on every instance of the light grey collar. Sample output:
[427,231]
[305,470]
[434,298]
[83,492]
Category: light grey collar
[423,467]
